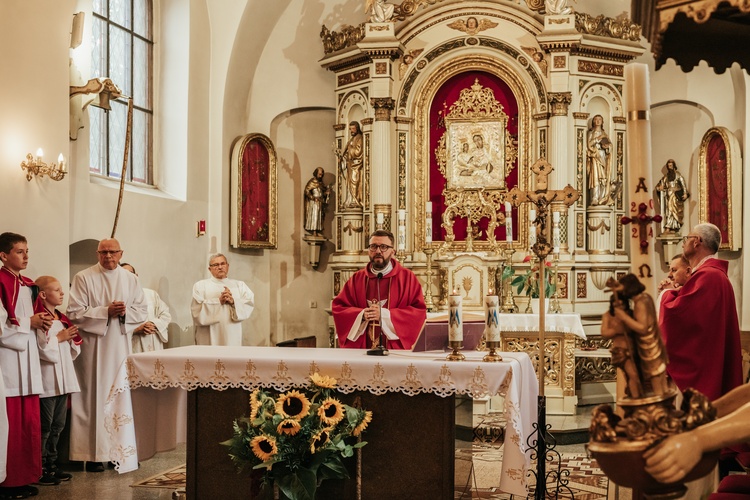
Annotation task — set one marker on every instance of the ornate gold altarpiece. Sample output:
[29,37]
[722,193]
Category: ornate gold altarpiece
[562,71]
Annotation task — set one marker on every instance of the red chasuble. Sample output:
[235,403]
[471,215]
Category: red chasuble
[701,332]
[403,298]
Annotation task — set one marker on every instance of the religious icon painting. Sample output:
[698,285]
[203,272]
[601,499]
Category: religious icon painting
[253,213]
[720,185]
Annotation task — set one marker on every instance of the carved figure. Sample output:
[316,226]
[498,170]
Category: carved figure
[557,7]
[598,166]
[673,192]
[538,57]
[316,201]
[471,26]
[380,11]
[642,327]
[406,60]
[350,162]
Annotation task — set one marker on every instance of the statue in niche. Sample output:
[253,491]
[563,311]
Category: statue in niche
[316,201]
[351,162]
[598,164]
[380,11]
[673,192]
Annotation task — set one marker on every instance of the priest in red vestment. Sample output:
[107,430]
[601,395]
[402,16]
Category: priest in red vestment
[699,320]
[384,291]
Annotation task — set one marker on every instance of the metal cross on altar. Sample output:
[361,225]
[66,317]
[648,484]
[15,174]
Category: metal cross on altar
[643,220]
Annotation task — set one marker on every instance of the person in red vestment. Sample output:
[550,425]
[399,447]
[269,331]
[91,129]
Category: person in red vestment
[21,373]
[699,320]
[383,291]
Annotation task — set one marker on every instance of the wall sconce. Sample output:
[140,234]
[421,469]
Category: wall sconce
[35,166]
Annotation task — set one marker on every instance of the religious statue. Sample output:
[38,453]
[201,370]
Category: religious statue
[350,162]
[557,7]
[477,160]
[598,164]
[637,347]
[650,415]
[316,201]
[673,192]
[380,11]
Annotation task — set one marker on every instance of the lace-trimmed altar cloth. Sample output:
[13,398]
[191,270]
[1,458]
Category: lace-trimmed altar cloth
[220,368]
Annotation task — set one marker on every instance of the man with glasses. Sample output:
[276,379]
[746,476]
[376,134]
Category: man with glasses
[220,305]
[699,320]
[383,292]
[107,304]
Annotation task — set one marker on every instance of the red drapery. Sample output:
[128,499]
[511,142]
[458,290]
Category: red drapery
[718,201]
[446,96]
[255,188]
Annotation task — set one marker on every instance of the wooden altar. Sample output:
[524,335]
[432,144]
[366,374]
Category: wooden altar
[412,396]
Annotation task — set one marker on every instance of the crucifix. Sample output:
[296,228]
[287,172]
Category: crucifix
[542,197]
[643,220]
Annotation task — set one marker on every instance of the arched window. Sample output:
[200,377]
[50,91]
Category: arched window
[122,49]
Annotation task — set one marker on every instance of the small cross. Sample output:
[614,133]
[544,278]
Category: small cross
[643,220]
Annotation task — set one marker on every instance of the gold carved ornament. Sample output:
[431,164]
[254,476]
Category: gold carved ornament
[476,112]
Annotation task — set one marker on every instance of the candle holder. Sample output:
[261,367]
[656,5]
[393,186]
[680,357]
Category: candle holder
[428,251]
[492,356]
[456,355]
[509,303]
[554,305]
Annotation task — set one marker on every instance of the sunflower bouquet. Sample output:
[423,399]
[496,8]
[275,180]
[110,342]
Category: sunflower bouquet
[299,437]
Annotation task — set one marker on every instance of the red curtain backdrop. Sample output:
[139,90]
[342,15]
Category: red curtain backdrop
[255,165]
[718,201]
[447,95]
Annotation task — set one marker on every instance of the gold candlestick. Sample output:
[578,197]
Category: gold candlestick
[509,303]
[492,356]
[428,284]
[554,306]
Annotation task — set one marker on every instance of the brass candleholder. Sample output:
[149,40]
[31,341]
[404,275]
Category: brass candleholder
[554,305]
[492,356]
[428,251]
[509,303]
[456,355]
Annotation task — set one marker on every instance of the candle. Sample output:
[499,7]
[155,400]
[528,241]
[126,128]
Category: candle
[39,154]
[556,232]
[532,228]
[401,236]
[380,218]
[492,315]
[455,321]
[402,214]
[428,229]
[508,223]
[61,162]
[428,207]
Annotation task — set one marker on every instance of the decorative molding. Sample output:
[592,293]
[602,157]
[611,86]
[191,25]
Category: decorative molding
[559,62]
[559,102]
[381,68]
[383,107]
[580,116]
[580,166]
[600,68]
[401,170]
[581,285]
[353,77]
[579,230]
[620,120]
[620,27]
[338,40]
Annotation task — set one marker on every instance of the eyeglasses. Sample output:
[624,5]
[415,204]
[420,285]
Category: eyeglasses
[108,252]
[685,238]
[382,248]
[218,264]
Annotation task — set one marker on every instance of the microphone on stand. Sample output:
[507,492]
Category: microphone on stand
[380,350]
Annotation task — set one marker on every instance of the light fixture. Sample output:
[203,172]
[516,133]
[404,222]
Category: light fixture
[35,166]
[104,90]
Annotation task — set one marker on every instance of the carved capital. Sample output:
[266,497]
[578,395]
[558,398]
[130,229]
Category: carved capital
[559,102]
[383,107]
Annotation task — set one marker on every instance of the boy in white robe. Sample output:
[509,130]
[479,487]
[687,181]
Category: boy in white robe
[58,347]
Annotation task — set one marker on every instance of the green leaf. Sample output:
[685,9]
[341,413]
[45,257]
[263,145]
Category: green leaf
[333,468]
[300,485]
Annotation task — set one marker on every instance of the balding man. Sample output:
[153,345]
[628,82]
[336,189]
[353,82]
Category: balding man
[107,304]
[699,320]
[220,305]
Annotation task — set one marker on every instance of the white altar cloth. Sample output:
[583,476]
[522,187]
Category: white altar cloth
[220,368]
[516,322]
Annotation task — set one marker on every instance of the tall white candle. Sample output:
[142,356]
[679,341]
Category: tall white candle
[556,232]
[401,245]
[428,207]
[508,223]
[380,218]
[455,320]
[492,318]
[428,229]
[402,214]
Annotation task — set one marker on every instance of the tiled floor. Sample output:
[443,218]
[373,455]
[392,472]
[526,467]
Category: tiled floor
[111,485]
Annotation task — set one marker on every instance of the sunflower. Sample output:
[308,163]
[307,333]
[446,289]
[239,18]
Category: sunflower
[288,426]
[323,381]
[264,447]
[293,404]
[362,425]
[331,411]
[254,405]
[319,440]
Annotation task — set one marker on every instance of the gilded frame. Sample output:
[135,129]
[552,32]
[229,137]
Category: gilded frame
[470,167]
[253,211]
[720,185]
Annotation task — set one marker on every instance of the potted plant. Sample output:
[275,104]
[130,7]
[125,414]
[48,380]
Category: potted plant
[528,283]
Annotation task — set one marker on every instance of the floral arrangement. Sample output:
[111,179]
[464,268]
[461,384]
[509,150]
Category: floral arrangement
[299,437]
[528,283]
